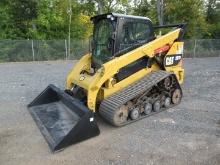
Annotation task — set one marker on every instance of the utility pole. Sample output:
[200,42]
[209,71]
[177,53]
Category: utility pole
[160,11]
[69,11]
[100,6]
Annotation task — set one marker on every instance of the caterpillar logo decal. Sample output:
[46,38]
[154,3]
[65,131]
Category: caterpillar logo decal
[172,60]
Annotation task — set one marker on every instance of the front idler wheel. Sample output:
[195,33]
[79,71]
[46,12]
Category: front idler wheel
[121,115]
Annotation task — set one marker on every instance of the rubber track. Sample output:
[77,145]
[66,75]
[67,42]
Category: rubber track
[114,102]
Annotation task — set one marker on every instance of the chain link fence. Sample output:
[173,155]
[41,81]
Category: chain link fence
[202,48]
[41,50]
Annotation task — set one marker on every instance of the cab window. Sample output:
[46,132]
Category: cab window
[134,34]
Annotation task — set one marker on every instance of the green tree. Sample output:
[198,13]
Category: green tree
[106,6]
[6,23]
[53,19]
[146,8]
[87,7]
[22,14]
[48,19]
[187,11]
[16,17]
[213,18]
[177,11]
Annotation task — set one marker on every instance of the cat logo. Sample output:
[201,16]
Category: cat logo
[169,60]
[172,60]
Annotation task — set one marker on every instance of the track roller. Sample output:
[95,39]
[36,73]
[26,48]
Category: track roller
[134,114]
[157,106]
[167,102]
[148,108]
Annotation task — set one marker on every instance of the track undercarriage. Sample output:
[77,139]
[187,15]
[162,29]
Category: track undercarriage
[154,93]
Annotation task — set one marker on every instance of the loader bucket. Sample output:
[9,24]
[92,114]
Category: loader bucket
[62,119]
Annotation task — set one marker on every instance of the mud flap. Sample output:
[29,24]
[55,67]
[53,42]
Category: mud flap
[62,119]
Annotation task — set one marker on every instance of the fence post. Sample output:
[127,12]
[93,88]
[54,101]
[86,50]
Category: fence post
[194,51]
[66,49]
[33,53]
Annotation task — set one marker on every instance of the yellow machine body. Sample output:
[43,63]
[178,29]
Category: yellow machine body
[102,84]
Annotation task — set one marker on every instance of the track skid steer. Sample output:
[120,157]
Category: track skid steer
[62,119]
[129,74]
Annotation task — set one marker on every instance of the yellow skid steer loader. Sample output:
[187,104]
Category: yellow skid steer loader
[130,74]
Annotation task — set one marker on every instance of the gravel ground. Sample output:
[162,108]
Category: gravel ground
[186,134]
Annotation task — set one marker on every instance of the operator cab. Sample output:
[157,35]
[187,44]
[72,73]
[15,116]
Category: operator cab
[116,34]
